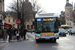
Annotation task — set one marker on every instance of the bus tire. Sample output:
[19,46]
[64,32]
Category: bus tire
[54,40]
[37,41]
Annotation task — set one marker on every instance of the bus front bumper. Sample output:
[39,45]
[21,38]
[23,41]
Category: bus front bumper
[47,37]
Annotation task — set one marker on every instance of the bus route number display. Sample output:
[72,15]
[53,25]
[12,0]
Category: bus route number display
[46,19]
[49,19]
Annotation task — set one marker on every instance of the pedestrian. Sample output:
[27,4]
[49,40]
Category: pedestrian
[9,32]
[13,33]
[17,34]
[1,33]
[5,34]
[70,32]
[24,34]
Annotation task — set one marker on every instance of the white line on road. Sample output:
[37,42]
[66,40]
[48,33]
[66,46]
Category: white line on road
[63,39]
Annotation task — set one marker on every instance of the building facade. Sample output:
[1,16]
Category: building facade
[68,14]
[1,15]
[1,5]
[11,18]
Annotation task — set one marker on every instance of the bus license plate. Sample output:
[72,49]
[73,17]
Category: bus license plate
[47,34]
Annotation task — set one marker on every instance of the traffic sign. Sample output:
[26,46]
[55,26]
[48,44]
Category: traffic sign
[18,22]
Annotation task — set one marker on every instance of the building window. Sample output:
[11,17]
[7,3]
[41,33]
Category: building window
[70,23]
[28,27]
[31,26]
[13,24]
[6,13]
[9,20]
[67,20]
[70,19]
[28,21]
[74,24]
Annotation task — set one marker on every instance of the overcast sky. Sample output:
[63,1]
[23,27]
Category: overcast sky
[51,6]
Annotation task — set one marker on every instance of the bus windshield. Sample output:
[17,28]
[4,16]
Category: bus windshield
[46,26]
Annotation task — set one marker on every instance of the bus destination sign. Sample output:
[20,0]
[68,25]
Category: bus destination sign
[49,19]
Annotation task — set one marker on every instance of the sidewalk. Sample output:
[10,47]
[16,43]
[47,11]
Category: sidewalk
[28,36]
[3,41]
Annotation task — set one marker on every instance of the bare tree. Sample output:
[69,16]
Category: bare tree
[26,8]
[36,6]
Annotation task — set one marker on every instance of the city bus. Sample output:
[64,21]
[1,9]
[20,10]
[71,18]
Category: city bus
[66,27]
[46,26]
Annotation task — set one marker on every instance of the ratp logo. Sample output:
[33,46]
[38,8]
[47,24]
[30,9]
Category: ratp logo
[45,34]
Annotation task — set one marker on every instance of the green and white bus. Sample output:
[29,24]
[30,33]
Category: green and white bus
[46,27]
[66,27]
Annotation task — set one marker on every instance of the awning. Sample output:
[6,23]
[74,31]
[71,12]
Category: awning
[7,25]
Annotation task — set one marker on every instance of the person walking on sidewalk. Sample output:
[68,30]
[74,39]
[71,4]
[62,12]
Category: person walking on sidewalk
[24,34]
[13,33]
[5,34]
[1,35]
[9,32]
[18,34]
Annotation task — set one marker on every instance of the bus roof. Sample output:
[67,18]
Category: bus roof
[42,15]
[65,25]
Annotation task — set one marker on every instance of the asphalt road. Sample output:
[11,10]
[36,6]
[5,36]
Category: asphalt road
[63,43]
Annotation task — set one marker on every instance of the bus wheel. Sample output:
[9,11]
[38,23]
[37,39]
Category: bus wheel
[37,41]
[54,40]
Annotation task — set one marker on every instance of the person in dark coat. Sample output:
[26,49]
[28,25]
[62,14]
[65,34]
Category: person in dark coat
[70,32]
[9,32]
[1,33]
[13,33]
[24,33]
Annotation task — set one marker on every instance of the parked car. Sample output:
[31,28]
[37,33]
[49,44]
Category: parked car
[33,30]
[62,32]
[72,30]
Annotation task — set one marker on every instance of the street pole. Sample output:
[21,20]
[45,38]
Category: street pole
[23,16]
[17,14]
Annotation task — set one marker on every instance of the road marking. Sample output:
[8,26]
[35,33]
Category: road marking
[63,39]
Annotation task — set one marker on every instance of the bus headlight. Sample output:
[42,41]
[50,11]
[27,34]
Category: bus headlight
[57,35]
[37,36]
